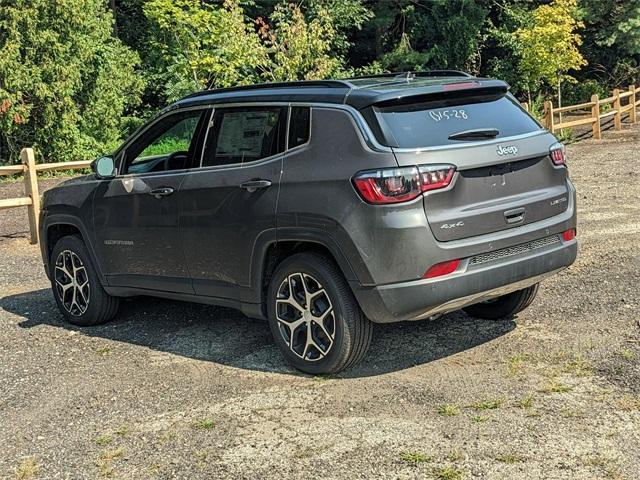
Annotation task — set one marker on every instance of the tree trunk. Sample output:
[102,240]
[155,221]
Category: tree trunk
[560,96]
[112,4]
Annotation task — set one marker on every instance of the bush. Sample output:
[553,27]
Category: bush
[65,81]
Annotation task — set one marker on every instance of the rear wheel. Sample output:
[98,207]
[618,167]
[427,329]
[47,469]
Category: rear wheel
[314,318]
[76,286]
[504,306]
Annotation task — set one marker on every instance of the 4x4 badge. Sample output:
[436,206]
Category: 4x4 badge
[506,150]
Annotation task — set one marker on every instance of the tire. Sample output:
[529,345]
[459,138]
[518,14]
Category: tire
[84,302]
[309,291]
[504,306]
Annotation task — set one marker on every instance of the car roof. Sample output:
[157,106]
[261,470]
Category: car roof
[358,92]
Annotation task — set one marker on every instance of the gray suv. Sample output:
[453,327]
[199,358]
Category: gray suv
[321,206]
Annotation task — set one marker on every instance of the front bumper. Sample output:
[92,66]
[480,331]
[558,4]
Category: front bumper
[416,300]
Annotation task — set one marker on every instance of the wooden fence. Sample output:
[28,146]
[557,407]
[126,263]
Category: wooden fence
[622,103]
[32,197]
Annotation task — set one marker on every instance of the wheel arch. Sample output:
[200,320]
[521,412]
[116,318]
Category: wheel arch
[273,251]
[60,225]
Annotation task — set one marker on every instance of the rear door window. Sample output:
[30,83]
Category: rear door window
[421,125]
[241,135]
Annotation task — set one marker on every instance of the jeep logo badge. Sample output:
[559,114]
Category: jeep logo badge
[506,150]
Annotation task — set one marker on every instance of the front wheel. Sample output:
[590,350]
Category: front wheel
[76,286]
[314,318]
[504,306]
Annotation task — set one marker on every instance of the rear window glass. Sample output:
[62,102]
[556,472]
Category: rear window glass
[415,126]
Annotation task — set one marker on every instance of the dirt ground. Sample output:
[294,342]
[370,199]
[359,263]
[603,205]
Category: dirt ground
[173,390]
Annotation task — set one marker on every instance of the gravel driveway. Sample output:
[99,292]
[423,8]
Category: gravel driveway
[174,390]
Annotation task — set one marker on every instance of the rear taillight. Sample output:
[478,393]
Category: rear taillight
[440,269]
[395,185]
[433,177]
[391,185]
[558,154]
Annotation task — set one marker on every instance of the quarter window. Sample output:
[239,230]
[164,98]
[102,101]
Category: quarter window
[241,135]
[299,126]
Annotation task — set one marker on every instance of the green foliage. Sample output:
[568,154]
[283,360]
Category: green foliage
[64,80]
[77,77]
[203,45]
[299,48]
[548,44]
[429,35]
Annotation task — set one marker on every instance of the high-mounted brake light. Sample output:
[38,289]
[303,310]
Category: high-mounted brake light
[395,185]
[449,87]
[440,269]
[558,155]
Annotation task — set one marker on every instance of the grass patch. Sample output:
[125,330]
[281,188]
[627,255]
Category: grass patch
[109,455]
[103,440]
[579,367]
[449,409]
[555,386]
[510,458]
[104,461]
[480,418]
[628,403]
[416,457]
[204,424]
[455,455]
[448,473]
[626,354]
[122,431]
[27,469]
[515,364]
[201,456]
[526,402]
[488,404]
[103,350]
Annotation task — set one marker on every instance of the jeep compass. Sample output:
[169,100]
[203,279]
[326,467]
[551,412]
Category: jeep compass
[321,206]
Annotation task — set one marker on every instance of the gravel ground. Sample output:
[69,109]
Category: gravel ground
[173,390]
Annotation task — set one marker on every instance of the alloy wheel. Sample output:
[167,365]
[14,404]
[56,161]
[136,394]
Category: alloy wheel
[306,317]
[72,283]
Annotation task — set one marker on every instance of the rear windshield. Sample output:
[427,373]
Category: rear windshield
[421,125]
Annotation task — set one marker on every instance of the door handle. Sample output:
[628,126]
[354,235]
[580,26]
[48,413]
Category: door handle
[253,185]
[161,192]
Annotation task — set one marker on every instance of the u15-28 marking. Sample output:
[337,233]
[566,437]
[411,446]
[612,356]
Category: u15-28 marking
[449,114]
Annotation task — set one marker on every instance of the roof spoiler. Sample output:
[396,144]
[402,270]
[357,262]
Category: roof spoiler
[471,90]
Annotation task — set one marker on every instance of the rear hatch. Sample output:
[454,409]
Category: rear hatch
[504,177]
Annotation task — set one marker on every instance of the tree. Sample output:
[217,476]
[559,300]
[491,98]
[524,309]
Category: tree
[612,39]
[65,81]
[203,45]
[299,49]
[548,45]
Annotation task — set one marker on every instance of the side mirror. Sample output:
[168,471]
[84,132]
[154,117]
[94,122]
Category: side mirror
[104,167]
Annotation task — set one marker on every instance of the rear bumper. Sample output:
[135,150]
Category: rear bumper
[416,300]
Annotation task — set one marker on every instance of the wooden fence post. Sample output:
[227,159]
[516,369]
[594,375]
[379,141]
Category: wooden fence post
[595,113]
[548,115]
[31,189]
[617,117]
[632,101]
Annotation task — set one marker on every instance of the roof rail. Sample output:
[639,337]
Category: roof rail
[268,85]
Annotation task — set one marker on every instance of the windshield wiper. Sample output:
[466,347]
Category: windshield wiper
[475,134]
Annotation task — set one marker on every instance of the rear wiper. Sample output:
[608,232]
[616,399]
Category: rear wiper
[475,134]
